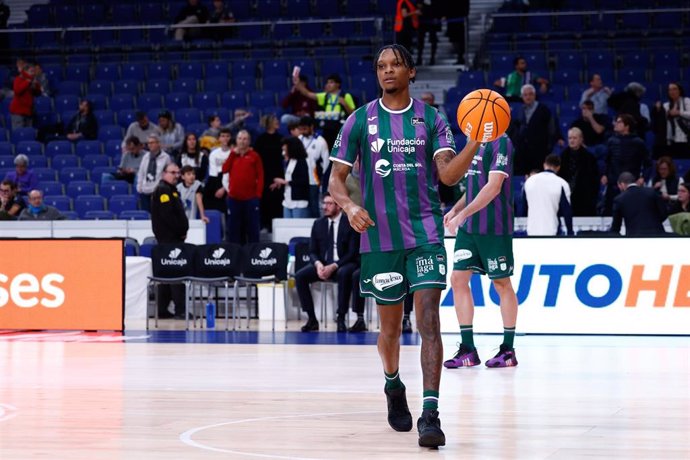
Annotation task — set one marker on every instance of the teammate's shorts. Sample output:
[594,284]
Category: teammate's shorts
[490,255]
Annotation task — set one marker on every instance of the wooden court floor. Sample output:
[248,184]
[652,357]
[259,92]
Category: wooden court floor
[570,397]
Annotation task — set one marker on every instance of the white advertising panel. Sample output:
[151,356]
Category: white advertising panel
[588,286]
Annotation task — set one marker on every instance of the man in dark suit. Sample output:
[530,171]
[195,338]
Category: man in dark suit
[641,208]
[333,252]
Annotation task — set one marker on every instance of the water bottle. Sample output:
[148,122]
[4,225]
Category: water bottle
[210,315]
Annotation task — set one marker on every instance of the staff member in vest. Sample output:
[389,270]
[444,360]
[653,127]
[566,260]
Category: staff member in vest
[170,225]
[406,23]
[334,106]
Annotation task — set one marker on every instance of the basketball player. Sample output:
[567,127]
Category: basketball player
[483,220]
[404,147]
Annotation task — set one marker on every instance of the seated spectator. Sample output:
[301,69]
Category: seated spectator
[192,13]
[598,94]
[172,133]
[192,155]
[150,171]
[221,14]
[625,152]
[682,204]
[579,168]
[25,178]
[38,210]
[594,126]
[672,123]
[191,193]
[130,161]
[11,205]
[213,130]
[665,180]
[142,128]
[428,98]
[333,250]
[548,199]
[641,209]
[297,104]
[296,181]
[84,124]
[518,78]
[334,106]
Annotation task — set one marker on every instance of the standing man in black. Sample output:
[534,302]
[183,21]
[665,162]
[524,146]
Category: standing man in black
[641,209]
[333,251]
[170,225]
[456,13]
[4,38]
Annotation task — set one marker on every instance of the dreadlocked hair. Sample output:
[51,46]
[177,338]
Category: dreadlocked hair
[401,54]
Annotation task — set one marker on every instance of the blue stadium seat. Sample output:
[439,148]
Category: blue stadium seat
[174,101]
[70,87]
[54,148]
[217,69]
[138,214]
[68,174]
[191,70]
[196,128]
[333,65]
[107,71]
[153,112]
[277,67]
[276,83]
[244,69]
[87,147]
[160,70]
[38,161]
[85,203]
[62,160]
[312,30]
[157,85]
[43,104]
[104,117]
[90,161]
[104,87]
[123,13]
[222,112]
[233,99]
[243,83]
[98,171]
[110,132]
[6,161]
[216,85]
[98,215]
[66,103]
[189,116]
[114,187]
[80,187]
[49,187]
[22,134]
[152,13]
[70,215]
[262,99]
[203,100]
[307,68]
[45,174]
[119,203]
[148,100]
[121,101]
[126,86]
[366,83]
[628,74]
[113,147]
[126,117]
[184,85]
[98,101]
[133,71]
[6,148]
[61,202]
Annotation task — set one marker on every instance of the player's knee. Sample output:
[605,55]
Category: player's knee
[460,279]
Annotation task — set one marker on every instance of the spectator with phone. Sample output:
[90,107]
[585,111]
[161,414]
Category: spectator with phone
[297,103]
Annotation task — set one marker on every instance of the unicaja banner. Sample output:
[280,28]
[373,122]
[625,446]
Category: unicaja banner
[62,284]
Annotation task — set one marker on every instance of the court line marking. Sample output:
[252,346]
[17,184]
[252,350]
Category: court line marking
[5,414]
[186,437]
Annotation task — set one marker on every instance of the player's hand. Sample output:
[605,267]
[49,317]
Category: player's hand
[359,218]
[455,223]
[448,217]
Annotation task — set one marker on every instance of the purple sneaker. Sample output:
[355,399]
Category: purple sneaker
[463,358]
[504,358]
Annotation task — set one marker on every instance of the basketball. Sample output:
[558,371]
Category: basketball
[483,115]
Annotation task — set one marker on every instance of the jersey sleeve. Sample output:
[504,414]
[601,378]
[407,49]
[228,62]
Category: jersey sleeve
[502,156]
[442,136]
[346,147]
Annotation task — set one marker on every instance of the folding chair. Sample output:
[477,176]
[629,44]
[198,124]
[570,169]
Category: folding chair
[216,265]
[265,263]
[172,264]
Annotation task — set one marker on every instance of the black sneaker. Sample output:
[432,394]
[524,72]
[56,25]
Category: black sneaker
[399,417]
[429,427]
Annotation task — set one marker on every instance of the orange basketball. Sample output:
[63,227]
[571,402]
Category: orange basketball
[483,115]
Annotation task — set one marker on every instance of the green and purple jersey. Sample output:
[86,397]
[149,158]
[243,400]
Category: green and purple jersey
[398,175]
[496,218]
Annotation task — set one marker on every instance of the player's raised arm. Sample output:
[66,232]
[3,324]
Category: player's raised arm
[358,216]
[453,168]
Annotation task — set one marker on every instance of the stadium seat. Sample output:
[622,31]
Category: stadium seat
[98,215]
[113,147]
[203,100]
[85,203]
[38,161]
[191,70]
[80,187]
[216,85]
[135,215]
[54,148]
[6,148]
[148,100]
[43,104]
[70,173]
[157,85]
[133,71]
[243,83]
[184,85]
[126,117]
[22,134]
[70,215]
[159,70]
[120,101]
[98,171]
[6,161]
[66,103]
[87,147]
[61,202]
[119,203]
[64,160]
[51,187]
[93,160]
[174,101]
[104,87]
[233,99]
[110,132]
[188,116]
[113,187]
[45,174]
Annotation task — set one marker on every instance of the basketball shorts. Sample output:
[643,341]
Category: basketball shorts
[386,276]
[490,255]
